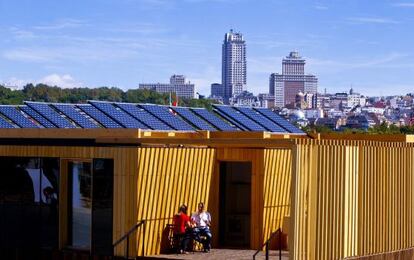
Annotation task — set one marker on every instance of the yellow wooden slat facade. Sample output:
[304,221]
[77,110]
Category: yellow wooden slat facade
[357,201]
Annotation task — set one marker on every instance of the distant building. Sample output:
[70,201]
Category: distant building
[293,80]
[246,99]
[266,100]
[177,85]
[233,65]
[217,90]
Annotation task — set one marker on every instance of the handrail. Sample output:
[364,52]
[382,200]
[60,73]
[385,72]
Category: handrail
[279,230]
[126,236]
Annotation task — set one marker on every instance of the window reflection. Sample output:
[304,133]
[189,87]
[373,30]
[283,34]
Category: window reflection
[28,202]
[80,204]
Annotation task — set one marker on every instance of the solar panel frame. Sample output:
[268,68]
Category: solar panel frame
[119,115]
[5,124]
[50,114]
[163,113]
[240,118]
[38,117]
[192,118]
[99,116]
[279,120]
[69,111]
[213,119]
[144,116]
[16,116]
[261,119]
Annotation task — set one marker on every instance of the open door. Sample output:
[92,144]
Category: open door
[235,207]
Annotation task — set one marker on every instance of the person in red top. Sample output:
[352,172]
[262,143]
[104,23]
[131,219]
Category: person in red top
[181,226]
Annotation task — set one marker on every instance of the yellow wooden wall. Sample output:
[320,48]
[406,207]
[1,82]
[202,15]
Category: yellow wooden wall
[276,192]
[351,198]
[125,174]
[167,178]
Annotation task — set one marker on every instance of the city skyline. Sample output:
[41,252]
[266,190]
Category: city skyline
[90,44]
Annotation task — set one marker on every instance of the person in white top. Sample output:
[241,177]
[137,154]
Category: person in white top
[202,222]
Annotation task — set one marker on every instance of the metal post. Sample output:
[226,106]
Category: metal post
[267,250]
[143,237]
[127,248]
[280,245]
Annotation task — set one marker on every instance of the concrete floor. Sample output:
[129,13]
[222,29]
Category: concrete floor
[223,254]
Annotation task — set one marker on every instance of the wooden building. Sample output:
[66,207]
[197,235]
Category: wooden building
[336,196]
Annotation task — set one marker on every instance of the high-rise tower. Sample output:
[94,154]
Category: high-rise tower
[233,64]
[284,87]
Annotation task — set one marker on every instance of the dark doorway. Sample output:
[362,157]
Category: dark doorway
[235,209]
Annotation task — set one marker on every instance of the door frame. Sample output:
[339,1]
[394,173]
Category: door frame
[63,200]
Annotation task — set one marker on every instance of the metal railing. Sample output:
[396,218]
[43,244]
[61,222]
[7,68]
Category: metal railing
[126,237]
[267,245]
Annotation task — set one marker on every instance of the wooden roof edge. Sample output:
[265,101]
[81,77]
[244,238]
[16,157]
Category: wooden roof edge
[405,138]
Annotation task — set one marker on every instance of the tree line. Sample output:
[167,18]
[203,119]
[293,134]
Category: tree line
[46,93]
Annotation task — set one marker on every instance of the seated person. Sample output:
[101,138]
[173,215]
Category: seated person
[202,221]
[182,228]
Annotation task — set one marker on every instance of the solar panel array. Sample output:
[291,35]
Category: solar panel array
[79,118]
[38,117]
[239,118]
[193,119]
[46,111]
[279,120]
[164,114]
[213,119]
[119,115]
[14,115]
[261,119]
[144,116]
[99,114]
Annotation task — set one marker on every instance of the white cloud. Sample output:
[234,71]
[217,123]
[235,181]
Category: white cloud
[405,4]
[61,24]
[63,81]
[372,20]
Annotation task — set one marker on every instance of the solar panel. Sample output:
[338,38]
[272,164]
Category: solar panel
[213,119]
[163,113]
[46,111]
[118,115]
[240,118]
[261,119]
[143,116]
[185,113]
[100,117]
[75,115]
[279,120]
[17,117]
[36,116]
[5,124]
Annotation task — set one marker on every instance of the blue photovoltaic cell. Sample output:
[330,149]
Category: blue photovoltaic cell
[5,124]
[46,111]
[213,119]
[36,116]
[118,115]
[17,117]
[261,119]
[143,116]
[165,115]
[279,120]
[80,119]
[185,113]
[240,118]
[100,117]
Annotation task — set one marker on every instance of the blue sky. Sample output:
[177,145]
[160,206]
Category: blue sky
[368,44]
